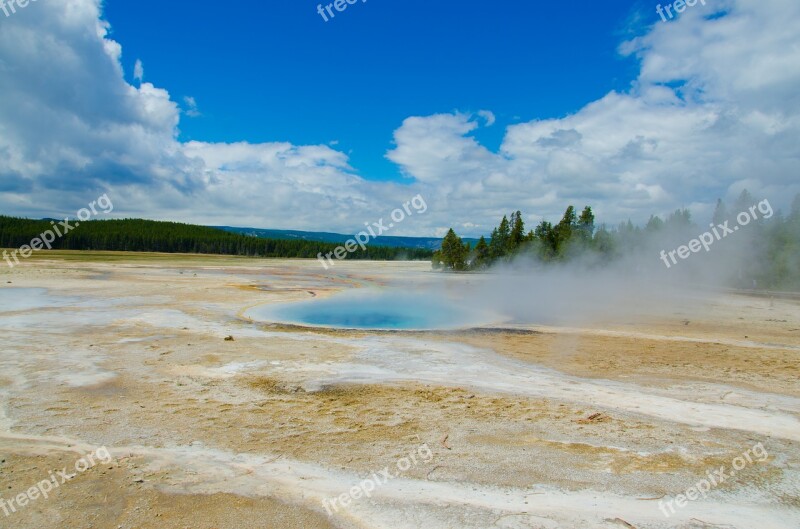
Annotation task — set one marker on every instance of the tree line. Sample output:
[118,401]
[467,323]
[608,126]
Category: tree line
[548,242]
[774,241]
[137,235]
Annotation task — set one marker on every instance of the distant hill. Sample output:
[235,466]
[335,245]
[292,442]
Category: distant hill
[423,243]
[137,235]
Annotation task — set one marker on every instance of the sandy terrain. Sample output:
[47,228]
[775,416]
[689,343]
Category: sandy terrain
[527,426]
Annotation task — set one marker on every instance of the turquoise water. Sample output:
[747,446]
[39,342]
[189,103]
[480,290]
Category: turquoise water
[377,310]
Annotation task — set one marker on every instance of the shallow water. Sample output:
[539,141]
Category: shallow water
[22,299]
[388,310]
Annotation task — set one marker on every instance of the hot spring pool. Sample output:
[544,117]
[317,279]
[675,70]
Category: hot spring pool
[374,310]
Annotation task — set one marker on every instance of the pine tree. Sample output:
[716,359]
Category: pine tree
[655,224]
[604,242]
[744,201]
[585,225]
[498,246]
[454,253]
[794,213]
[564,229]
[437,261]
[547,242]
[517,236]
[482,258]
[680,218]
[720,213]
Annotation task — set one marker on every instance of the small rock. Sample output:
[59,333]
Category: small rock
[229,338]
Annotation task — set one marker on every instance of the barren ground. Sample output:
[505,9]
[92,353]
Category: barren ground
[528,426]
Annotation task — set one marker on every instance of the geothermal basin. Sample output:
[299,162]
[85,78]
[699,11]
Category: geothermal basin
[377,310]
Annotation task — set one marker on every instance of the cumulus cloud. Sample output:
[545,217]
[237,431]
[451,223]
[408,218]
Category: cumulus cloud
[438,148]
[715,108]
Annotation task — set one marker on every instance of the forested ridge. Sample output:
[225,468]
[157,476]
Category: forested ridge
[137,235]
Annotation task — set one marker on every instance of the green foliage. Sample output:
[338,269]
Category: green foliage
[453,254]
[517,236]
[501,236]
[546,241]
[586,225]
[744,201]
[564,231]
[654,225]
[680,218]
[604,242]
[136,235]
[481,258]
[776,242]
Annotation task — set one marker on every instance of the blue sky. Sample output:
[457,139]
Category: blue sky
[262,114]
[276,71]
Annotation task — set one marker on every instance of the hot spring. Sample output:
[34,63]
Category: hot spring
[380,310]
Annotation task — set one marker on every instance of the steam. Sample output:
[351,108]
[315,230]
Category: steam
[637,285]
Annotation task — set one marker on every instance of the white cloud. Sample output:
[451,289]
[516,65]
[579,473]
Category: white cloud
[488,116]
[716,107]
[191,107]
[437,148]
[138,71]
